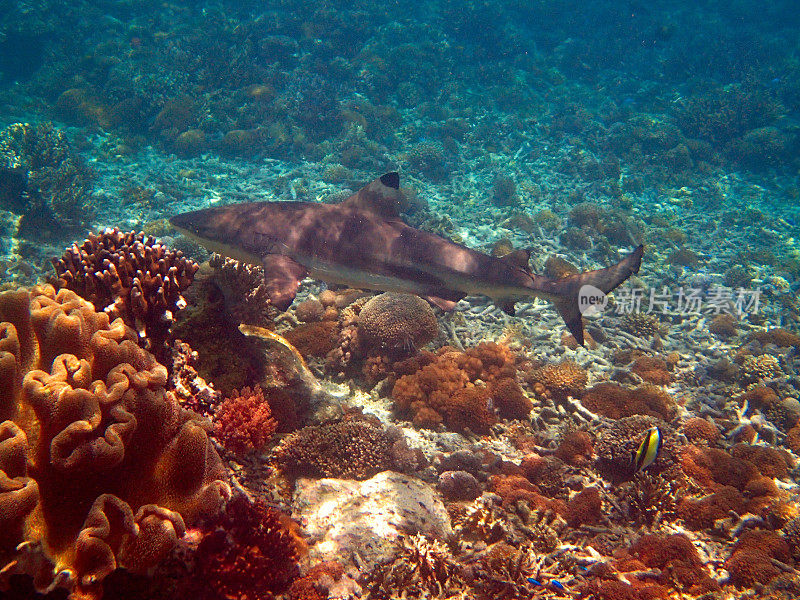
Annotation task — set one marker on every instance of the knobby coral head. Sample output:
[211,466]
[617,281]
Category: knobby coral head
[101,468]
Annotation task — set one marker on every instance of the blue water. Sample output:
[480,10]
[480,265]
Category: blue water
[572,128]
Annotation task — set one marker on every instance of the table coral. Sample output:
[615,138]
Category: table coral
[130,276]
[101,466]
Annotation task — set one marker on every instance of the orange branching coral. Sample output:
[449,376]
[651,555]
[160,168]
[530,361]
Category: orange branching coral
[700,430]
[576,448]
[443,387]
[585,508]
[101,465]
[652,369]
[749,563]
[678,561]
[314,339]
[782,338]
[558,381]
[615,401]
[244,421]
[130,276]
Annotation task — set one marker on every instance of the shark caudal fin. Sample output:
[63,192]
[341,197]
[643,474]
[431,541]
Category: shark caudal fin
[574,294]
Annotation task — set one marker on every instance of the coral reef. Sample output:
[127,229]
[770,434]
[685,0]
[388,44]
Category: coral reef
[243,288]
[354,448]
[244,421]
[443,388]
[43,180]
[396,324]
[249,552]
[130,276]
[105,467]
[615,401]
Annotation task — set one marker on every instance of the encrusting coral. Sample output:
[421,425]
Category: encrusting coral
[101,468]
[130,276]
[356,447]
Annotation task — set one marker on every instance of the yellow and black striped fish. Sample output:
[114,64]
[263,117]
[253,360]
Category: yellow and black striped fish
[648,450]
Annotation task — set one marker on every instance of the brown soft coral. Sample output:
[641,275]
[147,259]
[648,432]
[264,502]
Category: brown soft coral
[444,387]
[678,561]
[244,421]
[614,401]
[652,369]
[114,465]
[130,276]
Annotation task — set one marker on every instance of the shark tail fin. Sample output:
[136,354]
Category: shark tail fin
[571,294]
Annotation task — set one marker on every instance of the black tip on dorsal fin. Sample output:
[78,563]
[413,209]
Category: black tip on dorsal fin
[518,258]
[391,180]
[381,196]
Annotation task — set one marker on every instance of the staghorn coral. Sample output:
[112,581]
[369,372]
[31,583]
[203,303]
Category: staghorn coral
[652,498]
[244,421]
[353,448]
[250,552]
[53,190]
[130,276]
[396,324]
[105,467]
[614,401]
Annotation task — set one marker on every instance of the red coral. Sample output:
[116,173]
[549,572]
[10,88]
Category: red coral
[244,421]
[677,559]
[509,399]
[320,576]
[698,429]
[701,513]
[516,487]
[253,552]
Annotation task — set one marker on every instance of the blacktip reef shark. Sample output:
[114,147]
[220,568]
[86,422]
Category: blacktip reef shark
[363,243]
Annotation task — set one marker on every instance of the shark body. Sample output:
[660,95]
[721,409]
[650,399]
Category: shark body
[362,242]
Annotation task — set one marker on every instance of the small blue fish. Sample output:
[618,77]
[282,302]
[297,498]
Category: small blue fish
[534,581]
[648,449]
[557,584]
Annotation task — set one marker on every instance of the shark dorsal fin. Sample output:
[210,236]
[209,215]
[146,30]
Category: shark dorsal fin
[381,196]
[518,258]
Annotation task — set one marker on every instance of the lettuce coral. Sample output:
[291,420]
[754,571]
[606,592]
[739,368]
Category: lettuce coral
[100,467]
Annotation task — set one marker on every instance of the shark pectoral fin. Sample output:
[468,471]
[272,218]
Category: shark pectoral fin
[570,312]
[282,277]
[445,305]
